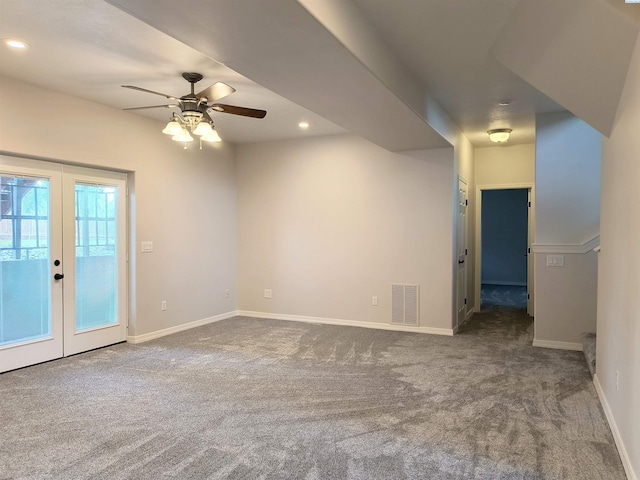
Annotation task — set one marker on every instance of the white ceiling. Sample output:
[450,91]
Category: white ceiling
[448,46]
[88,48]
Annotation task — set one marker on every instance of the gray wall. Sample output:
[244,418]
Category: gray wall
[327,223]
[568,158]
[182,200]
[504,237]
[618,369]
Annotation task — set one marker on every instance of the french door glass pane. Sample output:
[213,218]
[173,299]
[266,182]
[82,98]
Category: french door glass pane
[25,275]
[96,260]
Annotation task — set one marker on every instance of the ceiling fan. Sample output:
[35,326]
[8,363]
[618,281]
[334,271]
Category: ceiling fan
[196,108]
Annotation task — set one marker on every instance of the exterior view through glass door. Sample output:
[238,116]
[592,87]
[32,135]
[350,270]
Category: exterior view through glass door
[94,233]
[62,261]
[30,299]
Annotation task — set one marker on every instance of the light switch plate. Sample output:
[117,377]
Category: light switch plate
[146,247]
[555,260]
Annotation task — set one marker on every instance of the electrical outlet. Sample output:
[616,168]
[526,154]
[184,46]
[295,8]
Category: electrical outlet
[226,293]
[374,301]
[268,293]
[163,305]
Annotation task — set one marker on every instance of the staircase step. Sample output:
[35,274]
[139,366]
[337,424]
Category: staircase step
[589,349]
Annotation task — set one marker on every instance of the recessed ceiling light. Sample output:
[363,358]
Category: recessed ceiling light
[15,43]
[304,125]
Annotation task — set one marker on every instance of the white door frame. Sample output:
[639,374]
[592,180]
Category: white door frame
[61,223]
[462,254]
[478,240]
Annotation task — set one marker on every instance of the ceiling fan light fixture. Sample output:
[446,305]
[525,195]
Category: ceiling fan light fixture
[173,128]
[211,137]
[183,136]
[202,129]
[499,135]
[195,110]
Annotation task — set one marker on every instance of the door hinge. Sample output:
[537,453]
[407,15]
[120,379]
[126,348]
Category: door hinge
[528,250]
[466,252]
[529,204]
[466,202]
[528,297]
[465,301]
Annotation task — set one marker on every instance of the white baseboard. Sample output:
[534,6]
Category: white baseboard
[179,328]
[348,323]
[557,345]
[624,456]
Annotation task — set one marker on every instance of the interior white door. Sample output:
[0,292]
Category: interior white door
[31,315]
[461,248]
[94,229]
[530,258]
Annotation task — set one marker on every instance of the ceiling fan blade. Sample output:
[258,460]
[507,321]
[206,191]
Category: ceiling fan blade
[152,106]
[216,91]
[132,87]
[233,110]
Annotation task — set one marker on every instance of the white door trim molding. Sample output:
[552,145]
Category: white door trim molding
[478,230]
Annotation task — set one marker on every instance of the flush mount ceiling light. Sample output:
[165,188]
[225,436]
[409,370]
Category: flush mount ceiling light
[499,135]
[303,125]
[15,43]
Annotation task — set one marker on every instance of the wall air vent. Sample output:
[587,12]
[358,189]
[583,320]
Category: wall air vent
[405,301]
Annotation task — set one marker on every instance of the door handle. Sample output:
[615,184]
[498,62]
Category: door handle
[58,276]
[460,262]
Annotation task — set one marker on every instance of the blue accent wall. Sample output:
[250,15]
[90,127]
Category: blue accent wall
[504,237]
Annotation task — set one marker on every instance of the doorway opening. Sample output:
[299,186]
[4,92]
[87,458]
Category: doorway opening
[504,262]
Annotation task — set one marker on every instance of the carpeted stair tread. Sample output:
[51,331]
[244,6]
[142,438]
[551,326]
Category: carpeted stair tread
[589,349]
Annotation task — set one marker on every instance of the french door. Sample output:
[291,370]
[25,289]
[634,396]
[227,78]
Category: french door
[62,260]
